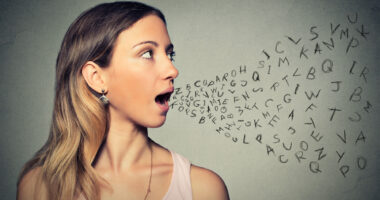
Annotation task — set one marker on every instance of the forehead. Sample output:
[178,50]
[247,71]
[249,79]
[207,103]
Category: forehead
[150,27]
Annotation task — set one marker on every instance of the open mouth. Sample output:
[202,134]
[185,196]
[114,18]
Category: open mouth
[163,98]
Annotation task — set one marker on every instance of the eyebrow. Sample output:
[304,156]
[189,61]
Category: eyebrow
[168,47]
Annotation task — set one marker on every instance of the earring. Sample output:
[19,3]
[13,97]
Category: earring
[103,98]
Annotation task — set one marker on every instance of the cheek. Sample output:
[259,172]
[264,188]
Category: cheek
[131,88]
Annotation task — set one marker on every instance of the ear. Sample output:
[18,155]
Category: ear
[92,73]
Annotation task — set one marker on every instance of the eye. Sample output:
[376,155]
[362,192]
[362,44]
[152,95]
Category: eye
[147,54]
[171,56]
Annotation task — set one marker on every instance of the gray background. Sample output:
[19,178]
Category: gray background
[213,38]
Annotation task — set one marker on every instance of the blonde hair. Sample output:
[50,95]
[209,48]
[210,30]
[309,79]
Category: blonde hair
[79,121]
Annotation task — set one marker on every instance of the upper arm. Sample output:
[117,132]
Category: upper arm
[29,187]
[207,185]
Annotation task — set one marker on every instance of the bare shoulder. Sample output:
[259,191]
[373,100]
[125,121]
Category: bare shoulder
[30,187]
[206,184]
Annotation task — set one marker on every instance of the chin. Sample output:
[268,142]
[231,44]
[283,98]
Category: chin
[157,123]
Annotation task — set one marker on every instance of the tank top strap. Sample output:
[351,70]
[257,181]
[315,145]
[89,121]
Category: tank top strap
[180,185]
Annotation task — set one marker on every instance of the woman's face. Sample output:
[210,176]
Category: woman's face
[140,70]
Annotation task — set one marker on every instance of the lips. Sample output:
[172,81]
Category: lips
[163,98]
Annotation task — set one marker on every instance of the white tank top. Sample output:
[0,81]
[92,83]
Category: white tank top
[180,185]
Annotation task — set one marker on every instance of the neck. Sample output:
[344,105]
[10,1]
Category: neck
[126,146]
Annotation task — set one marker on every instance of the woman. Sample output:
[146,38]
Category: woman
[114,76]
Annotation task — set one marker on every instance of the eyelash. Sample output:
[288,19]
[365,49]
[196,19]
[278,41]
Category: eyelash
[171,55]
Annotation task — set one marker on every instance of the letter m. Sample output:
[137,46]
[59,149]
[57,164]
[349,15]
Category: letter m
[280,60]
[219,129]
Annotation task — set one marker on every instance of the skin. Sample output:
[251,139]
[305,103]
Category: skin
[140,69]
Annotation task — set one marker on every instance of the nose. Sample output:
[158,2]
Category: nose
[171,71]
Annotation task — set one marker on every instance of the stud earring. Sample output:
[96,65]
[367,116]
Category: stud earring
[103,98]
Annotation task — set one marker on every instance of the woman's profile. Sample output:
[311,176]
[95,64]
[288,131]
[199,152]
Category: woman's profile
[114,77]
